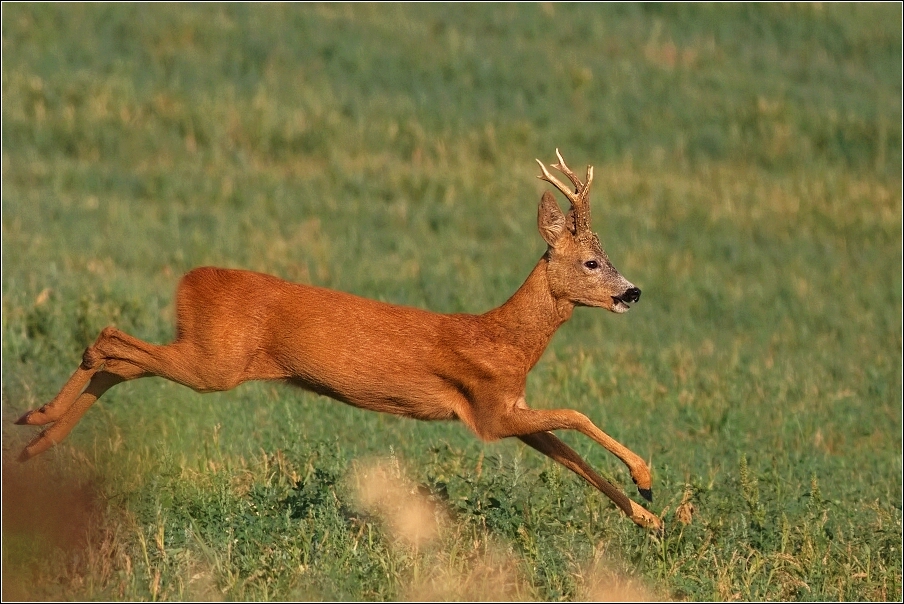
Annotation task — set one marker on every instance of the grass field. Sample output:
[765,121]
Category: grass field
[748,180]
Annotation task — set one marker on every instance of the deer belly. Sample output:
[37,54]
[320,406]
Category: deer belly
[409,400]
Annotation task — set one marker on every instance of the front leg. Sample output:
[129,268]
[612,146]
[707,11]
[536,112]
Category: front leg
[520,420]
[548,444]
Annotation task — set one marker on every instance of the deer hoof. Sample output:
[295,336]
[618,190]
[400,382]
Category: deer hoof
[646,494]
[646,519]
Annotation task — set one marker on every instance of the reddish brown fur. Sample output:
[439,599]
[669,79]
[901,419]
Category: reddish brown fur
[234,326]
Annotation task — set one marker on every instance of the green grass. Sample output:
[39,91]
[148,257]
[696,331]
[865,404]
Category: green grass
[748,180]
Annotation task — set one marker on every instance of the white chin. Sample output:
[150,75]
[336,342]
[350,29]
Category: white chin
[620,307]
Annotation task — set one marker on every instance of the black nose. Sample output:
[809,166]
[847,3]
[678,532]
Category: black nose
[632,295]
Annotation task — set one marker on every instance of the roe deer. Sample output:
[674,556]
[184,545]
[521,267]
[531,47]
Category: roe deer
[234,325]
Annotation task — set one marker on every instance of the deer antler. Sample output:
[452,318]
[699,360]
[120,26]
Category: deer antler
[579,198]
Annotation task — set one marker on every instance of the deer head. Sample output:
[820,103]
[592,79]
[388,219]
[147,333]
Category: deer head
[579,269]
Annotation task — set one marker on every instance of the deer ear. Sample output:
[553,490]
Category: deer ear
[550,220]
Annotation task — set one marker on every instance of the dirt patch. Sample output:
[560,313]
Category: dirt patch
[42,511]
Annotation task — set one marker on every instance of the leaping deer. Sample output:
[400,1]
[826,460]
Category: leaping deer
[233,326]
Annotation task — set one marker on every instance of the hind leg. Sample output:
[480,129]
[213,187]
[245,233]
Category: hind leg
[92,361]
[181,362]
[65,413]
[55,409]
[117,357]
[98,372]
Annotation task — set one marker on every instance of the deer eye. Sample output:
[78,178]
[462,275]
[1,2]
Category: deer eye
[591,264]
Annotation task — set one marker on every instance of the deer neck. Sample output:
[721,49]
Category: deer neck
[532,315]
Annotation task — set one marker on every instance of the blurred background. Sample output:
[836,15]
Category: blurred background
[747,179]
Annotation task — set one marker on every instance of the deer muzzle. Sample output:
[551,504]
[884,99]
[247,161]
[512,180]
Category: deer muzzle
[622,303]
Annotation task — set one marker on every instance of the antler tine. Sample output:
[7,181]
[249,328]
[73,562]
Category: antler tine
[580,206]
[565,189]
[579,186]
[564,169]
